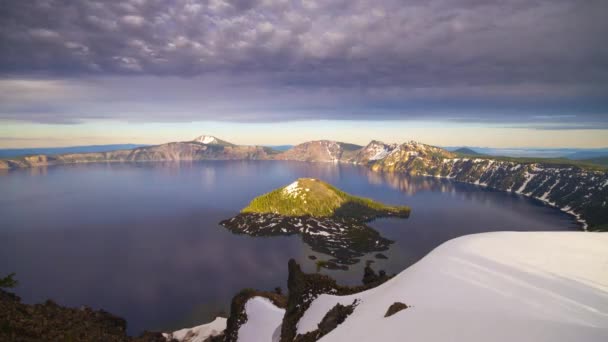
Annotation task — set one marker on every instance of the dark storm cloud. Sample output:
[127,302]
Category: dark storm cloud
[386,56]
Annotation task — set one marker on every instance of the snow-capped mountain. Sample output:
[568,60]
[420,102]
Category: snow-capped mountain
[205,139]
[211,140]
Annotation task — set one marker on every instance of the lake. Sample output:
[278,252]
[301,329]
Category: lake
[142,240]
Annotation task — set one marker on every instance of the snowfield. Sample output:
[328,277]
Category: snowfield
[505,286]
[263,319]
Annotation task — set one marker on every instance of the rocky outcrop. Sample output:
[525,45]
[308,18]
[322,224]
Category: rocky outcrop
[343,239]
[52,322]
[370,276]
[303,290]
[334,317]
[394,308]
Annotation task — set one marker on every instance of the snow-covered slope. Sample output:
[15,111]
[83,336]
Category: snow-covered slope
[199,333]
[263,319]
[505,286]
[375,150]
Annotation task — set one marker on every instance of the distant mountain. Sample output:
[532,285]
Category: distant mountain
[466,151]
[588,154]
[201,148]
[320,151]
[537,152]
[17,152]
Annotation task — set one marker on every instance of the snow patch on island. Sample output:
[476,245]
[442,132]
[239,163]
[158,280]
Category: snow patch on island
[293,189]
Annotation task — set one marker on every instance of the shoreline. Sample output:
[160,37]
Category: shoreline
[577,217]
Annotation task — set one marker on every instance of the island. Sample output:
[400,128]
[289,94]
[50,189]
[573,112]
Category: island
[329,220]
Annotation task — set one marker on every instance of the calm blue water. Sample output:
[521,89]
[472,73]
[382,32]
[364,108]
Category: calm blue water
[142,241]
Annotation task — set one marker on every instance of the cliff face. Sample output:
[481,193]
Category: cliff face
[582,193]
[375,150]
[320,151]
[198,151]
[166,152]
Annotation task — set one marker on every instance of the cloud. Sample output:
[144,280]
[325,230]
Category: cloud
[133,20]
[234,98]
[342,57]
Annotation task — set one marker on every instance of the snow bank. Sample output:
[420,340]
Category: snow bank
[263,319]
[505,286]
[198,333]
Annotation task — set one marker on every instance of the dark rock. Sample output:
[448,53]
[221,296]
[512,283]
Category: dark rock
[381,256]
[334,317]
[342,238]
[394,308]
[149,336]
[217,338]
[371,278]
[53,322]
[312,257]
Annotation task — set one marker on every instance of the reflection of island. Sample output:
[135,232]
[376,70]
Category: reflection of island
[329,220]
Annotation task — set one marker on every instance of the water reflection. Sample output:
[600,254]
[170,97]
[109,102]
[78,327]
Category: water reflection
[409,184]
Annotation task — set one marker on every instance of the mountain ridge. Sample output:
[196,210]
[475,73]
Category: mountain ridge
[577,188]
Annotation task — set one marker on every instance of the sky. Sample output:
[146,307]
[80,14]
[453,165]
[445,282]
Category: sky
[510,73]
